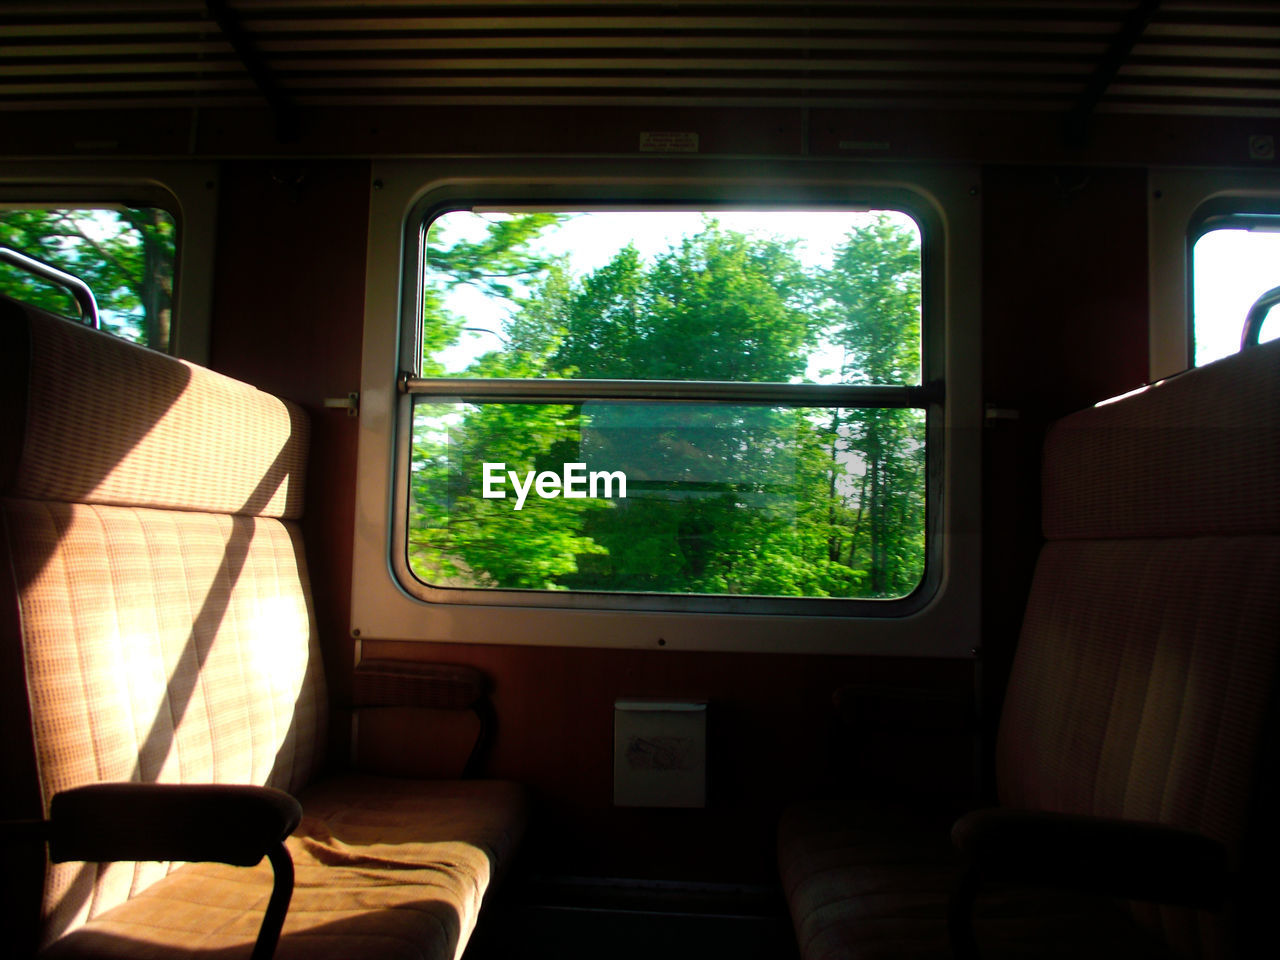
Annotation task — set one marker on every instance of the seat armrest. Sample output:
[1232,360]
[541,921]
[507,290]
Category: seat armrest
[396,683]
[219,823]
[1120,858]
[441,686]
[224,823]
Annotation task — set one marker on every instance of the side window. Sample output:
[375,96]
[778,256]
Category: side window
[1235,259]
[125,254]
[662,403]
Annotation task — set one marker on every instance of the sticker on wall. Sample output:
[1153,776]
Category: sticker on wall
[667,141]
[660,753]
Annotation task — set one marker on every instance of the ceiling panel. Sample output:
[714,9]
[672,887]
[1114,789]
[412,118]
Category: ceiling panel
[1194,58]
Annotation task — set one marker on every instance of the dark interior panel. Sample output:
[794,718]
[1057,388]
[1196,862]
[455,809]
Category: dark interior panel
[1064,313]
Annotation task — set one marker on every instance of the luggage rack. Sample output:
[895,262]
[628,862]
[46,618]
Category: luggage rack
[1257,316]
[78,289]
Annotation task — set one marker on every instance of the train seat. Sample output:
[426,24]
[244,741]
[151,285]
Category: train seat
[159,628]
[1136,787]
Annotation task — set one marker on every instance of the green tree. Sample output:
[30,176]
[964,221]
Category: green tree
[125,255]
[456,536]
[725,498]
[499,265]
[720,306]
[873,287]
[459,538]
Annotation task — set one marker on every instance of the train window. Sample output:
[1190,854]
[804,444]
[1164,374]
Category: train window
[669,402]
[782,365]
[1235,259]
[126,254]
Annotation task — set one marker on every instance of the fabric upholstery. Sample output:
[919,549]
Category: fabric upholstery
[1191,456]
[161,646]
[450,686]
[1148,652]
[1141,680]
[1140,690]
[1143,685]
[384,868]
[156,429]
[157,626]
[871,882]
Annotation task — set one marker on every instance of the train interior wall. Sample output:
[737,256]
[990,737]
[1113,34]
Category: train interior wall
[1064,324]
[1062,120]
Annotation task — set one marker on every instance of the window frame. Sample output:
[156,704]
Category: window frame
[1221,213]
[188,191]
[943,624]
[928,395]
[77,206]
[1179,202]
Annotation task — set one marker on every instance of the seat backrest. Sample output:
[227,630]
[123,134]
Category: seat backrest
[156,613]
[1146,669]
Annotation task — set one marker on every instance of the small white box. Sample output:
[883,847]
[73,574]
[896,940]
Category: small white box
[660,753]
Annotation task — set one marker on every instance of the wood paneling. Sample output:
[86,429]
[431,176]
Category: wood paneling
[1064,285]
[1065,314]
[1064,326]
[288,315]
[770,742]
[877,135]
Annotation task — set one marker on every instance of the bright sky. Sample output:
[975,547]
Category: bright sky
[590,240]
[1232,268]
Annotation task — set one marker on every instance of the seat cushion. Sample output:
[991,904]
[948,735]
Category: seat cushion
[163,646]
[384,868]
[870,881]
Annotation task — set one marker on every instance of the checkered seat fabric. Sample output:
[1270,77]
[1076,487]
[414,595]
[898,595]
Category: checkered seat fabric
[158,627]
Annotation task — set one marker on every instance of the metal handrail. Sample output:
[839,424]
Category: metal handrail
[1257,315]
[74,285]
[569,390]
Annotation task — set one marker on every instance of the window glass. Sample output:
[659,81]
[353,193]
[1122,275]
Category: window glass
[762,481]
[660,497]
[125,254]
[1231,267]
[812,297]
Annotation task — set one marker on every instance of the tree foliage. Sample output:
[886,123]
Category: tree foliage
[721,306]
[723,498]
[125,255]
[874,291]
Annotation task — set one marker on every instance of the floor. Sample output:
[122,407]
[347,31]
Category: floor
[576,918]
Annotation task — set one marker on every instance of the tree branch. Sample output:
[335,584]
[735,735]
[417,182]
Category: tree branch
[93,244]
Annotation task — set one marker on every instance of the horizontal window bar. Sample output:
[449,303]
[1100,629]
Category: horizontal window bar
[565,390]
